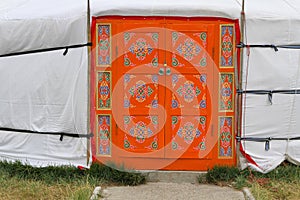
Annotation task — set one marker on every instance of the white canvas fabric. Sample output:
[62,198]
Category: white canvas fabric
[274,23]
[33,24]
[43,150]
[191,8]
[43,92]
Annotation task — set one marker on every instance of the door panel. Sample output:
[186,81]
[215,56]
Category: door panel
[188,93]
[141,46]
[141,130]
[141,51]
[189,47]
[141,133]
[142,92]
[188,135]
[188,100]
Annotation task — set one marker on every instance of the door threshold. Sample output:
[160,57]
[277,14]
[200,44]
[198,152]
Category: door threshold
[173,176]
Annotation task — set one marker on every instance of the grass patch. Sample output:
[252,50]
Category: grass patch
[222,174]
[14,188]
[117,174]
[19,181]
[281,183]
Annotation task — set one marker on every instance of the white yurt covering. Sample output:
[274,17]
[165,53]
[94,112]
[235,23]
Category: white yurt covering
[276,23]
[43,92]
[48,92]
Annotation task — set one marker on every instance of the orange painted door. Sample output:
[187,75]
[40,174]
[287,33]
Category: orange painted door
[188,99]
[140,131]
[164,92]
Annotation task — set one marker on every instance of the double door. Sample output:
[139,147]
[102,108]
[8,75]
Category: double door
[163,92]
[164,74]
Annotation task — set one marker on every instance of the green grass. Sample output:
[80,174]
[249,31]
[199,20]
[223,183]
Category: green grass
[19,181]
[117,174]
[222,173]
[281,183]
[14,188]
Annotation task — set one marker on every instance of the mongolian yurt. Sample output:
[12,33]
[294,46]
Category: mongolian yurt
[151,85]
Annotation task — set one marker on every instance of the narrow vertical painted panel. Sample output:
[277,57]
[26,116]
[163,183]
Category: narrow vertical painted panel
[226,92]
[104,135]
[103,90]
[225,137]
[227,46]
[103,40]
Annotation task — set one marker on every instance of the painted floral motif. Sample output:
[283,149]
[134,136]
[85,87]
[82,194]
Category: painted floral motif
[127,37]
[127,144]
[175,62]
[127,61]
[175,103]
[154,62]
[203,79]
[175,145]
[126,120]
[203,37]
[190,48]
[175,78]
[188,91]
[154,78]
[104,135]
[225,137]
[153,145]
[103,45]
[202,103]
[139,47]
[175,36]
[154,104]
[226,91]
[154,36]
[140,91]
[126,103]
[201,146]
[202,121]
[104,93]
[203,62]
[154,120]
[188,131]
[174,121]
[139,130]
[227,45]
